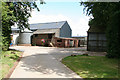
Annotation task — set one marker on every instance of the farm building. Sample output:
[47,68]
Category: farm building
[44,34]
[82,39]
[96,39]
[66,42]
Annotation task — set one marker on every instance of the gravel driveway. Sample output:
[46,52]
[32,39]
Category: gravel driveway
[44,62]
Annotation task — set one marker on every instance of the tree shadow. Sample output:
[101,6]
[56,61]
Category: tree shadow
[15,57]
[47,64]
[12,50]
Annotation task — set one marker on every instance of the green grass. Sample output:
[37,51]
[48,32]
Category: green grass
[7,60]
[92,66]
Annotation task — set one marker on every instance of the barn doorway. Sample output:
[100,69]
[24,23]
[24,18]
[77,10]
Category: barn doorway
[41,39]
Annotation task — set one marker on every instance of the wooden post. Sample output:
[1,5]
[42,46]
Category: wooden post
[87,41]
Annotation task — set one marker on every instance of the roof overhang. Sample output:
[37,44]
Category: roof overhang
[37,32]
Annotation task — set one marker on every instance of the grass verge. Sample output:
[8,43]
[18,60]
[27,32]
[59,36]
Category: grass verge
[7,60]
[92,66]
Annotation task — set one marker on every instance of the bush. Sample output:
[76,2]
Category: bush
[113,36]
[5,43]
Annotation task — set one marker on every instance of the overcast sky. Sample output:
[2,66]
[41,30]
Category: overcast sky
[71,12]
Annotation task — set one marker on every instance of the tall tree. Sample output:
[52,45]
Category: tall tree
[113,31]
[107,15]
[7,17]
[15,12]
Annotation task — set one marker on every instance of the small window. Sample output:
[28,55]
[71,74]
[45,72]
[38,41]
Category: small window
[49,36]
[60,40]
[36,35]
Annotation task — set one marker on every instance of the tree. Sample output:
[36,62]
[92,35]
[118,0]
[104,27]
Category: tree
[113,32]
[15,12]
[7,16]
[106,14]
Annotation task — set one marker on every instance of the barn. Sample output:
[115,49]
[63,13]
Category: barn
[46,34]
[96,39]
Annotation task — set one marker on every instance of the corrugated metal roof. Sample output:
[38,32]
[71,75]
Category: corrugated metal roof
[42,32]
[27,30]
[51,25]
[66,38]
[96,29]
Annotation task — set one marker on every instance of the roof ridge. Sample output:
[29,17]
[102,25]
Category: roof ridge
[49,22]
[50,25]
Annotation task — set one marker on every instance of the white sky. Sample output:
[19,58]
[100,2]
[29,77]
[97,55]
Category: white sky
[63,11]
